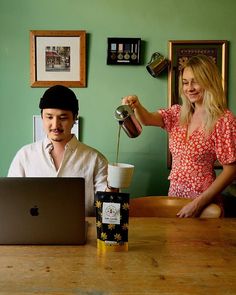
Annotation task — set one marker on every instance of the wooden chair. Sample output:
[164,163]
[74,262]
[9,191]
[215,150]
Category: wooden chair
[163,206]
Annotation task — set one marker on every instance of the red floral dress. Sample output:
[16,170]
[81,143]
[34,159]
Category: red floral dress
[193,158]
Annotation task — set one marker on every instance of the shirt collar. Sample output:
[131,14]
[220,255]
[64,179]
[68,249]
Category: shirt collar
[48,145]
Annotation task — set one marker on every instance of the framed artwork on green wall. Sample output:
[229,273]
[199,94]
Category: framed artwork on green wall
[57,57]
[123,51]
[179,52]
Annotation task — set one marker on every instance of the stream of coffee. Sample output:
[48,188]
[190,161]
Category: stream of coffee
[118,144]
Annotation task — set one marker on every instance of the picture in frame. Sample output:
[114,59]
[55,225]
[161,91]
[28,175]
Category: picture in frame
[182,50]
[57,57]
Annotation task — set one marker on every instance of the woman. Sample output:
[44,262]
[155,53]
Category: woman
[201,131]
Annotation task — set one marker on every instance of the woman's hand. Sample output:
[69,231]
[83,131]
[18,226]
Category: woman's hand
[145,117]
[131,100]
[192,209]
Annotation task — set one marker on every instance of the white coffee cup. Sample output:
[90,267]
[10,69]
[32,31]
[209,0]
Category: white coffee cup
[120,175]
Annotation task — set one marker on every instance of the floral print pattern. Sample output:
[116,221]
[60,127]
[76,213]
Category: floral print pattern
[193,158]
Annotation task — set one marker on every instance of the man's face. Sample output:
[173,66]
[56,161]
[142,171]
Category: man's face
[58,124]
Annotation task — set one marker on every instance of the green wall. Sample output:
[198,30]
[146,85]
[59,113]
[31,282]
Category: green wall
[155,22]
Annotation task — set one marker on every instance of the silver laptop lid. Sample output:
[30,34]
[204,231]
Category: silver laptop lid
[42,211]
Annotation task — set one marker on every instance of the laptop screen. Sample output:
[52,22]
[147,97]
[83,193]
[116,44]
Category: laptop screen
[42,210]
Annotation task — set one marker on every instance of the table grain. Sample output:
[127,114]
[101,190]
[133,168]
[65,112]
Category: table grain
[166,256]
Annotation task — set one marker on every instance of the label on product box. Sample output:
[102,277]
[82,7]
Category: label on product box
[111,213]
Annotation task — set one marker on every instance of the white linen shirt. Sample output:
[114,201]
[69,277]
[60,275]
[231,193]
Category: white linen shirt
[79,160]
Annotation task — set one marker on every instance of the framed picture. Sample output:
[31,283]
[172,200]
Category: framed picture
[123,51]
[58,57]
[180,51]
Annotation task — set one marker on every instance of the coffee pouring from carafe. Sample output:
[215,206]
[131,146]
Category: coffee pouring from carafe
[126,118]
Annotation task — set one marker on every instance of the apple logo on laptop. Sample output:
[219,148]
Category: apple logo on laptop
[34,211]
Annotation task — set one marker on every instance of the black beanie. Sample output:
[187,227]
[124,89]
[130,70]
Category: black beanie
[59,97]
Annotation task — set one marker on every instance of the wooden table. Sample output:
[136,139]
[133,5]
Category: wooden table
[166,256]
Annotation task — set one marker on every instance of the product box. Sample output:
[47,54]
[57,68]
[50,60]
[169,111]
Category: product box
[112,221]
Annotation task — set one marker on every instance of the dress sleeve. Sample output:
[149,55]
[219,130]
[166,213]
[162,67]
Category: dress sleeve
[225,139]
[170,116]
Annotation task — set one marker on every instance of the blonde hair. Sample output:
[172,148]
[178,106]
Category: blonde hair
[207,75]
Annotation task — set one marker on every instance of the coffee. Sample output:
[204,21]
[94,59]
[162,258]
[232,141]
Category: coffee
[118,144]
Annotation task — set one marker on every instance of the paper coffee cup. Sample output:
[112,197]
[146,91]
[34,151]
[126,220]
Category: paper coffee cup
[120,175]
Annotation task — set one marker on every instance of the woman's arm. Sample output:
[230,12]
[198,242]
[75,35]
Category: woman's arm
[194,208]
[143,115]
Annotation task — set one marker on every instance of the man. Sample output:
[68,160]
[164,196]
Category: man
[60,154]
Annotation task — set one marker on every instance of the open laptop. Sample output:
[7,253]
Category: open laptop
[42,211]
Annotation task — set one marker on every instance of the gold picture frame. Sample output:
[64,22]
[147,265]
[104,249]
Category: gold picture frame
[180,51]
[57,57]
